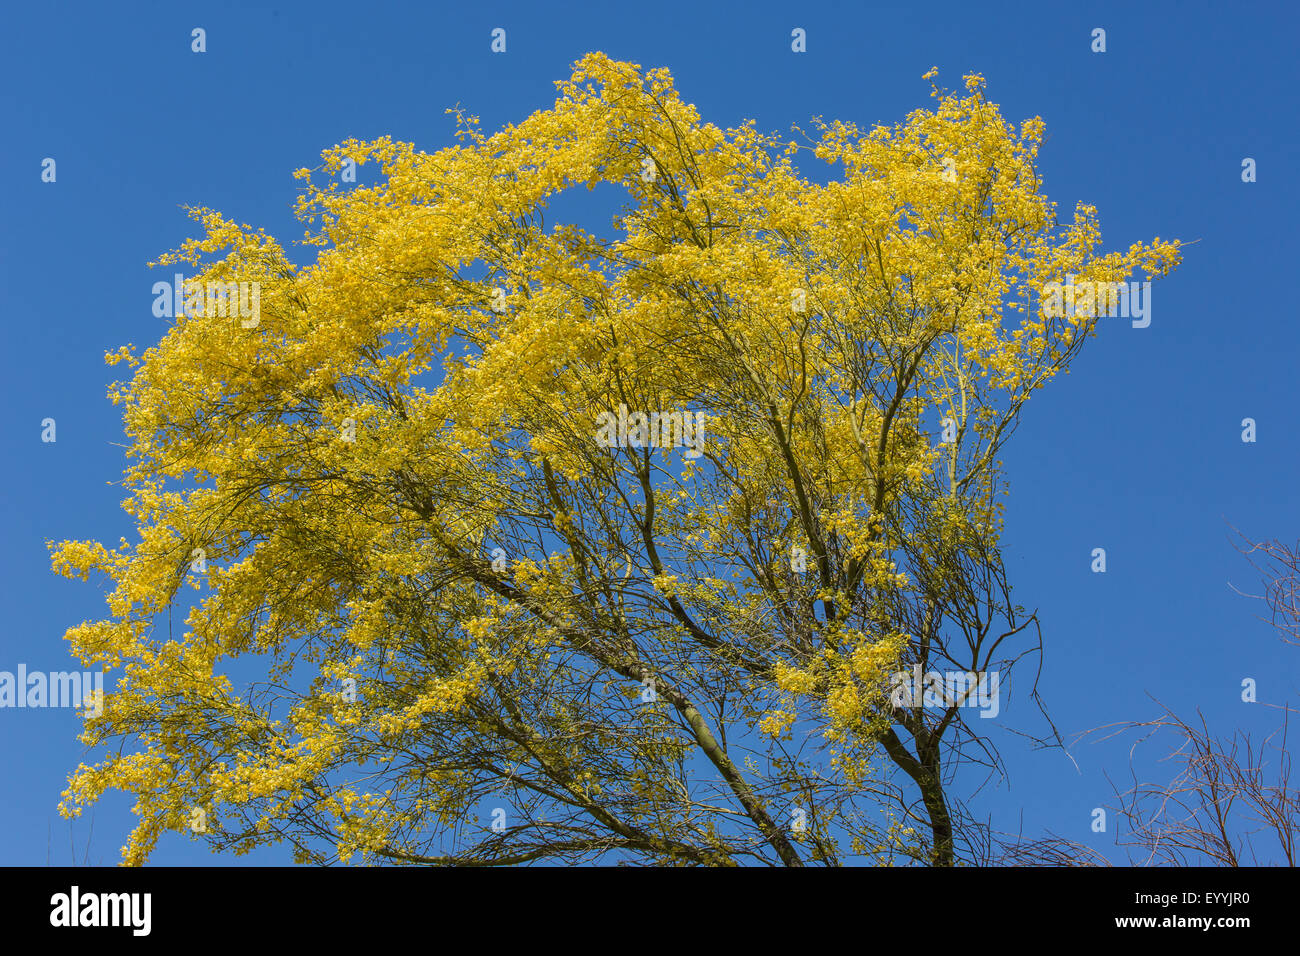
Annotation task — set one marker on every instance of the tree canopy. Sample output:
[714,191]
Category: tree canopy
[513,541]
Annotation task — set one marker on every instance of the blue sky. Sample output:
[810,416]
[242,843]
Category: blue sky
[1137,451]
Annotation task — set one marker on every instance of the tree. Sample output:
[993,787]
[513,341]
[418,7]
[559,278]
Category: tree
[615,543]
[1232,801]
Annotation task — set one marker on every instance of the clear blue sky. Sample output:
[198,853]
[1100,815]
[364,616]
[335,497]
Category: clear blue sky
[1138,451]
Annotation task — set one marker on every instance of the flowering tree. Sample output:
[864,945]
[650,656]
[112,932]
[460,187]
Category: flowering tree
[515,541]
